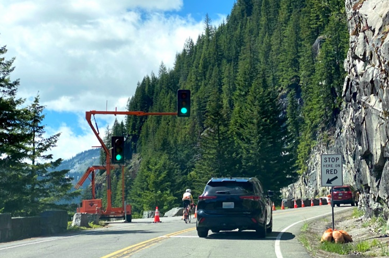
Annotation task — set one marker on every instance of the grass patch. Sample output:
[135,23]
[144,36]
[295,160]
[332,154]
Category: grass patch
[70,228]
[305,242]
[91,225]
[336,248]
[356,213]
[384,250]
[305,227]
[350,248]
[381,225]
[363,246]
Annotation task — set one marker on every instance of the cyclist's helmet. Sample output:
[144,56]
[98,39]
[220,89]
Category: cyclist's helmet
[188,190]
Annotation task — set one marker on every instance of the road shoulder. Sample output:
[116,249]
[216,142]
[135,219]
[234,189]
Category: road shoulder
[359,228]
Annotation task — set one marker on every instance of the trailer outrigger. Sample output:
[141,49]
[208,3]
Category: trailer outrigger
[94,206]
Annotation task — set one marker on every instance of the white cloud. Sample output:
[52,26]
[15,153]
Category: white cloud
[69,143]
[82,55]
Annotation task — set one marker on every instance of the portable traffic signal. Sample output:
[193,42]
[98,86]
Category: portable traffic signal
[118,149]
[183,103]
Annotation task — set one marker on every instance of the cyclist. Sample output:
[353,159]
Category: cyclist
[187,199]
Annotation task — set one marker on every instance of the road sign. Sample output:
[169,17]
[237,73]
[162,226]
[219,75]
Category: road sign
[331,170]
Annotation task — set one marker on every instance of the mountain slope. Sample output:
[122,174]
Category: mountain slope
[80,162]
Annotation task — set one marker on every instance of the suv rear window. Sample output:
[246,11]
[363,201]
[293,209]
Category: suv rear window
[342,189]
[237,188]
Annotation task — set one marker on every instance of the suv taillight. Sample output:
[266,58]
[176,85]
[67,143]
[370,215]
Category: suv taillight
[251,197]
[206,197]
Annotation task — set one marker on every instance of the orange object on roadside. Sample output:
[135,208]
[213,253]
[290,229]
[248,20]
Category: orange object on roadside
[282,206]
[312,203]
[303,204]
[273,207]
[156,216]
[320,201]
[338,237]
[295,204]
[196,211]
[347,237]
[327,236]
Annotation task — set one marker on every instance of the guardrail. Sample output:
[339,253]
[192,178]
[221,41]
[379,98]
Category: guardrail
[48,223]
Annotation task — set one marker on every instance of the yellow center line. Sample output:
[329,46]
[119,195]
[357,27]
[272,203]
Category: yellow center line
[143,245]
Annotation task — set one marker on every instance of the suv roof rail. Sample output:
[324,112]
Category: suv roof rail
[242,179]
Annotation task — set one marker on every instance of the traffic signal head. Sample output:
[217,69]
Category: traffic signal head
[183,103]
[118,149]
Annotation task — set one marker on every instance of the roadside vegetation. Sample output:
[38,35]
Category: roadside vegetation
[243,75]
[370,236]
[91,225]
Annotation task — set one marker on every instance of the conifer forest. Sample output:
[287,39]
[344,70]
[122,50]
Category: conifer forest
[265,85]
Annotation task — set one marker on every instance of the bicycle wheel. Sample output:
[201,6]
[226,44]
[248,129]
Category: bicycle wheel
[185,216]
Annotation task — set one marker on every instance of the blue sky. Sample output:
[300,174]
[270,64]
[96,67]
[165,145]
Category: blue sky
[73,53]
[199,8]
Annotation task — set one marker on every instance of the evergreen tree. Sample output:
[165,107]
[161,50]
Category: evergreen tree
[28,180]
[13,140]
[152,185]
[215,143]
[46,186]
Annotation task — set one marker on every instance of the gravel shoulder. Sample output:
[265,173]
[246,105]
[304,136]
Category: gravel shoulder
[361,230]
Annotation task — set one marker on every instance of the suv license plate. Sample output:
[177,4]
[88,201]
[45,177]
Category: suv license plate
[228,205]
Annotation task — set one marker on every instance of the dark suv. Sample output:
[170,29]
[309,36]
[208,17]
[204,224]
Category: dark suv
[343,195]
[231,203]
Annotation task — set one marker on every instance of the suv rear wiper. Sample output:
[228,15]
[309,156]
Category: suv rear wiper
[222,192]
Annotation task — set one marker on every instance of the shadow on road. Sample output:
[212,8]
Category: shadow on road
[248,235]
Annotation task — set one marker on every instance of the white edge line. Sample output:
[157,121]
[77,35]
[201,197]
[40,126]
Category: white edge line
[32,243]
[278,252]
[185,236]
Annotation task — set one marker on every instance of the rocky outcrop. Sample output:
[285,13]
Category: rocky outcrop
[362,127]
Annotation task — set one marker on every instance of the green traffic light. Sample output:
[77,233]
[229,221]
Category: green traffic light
[118,157]
[183,110]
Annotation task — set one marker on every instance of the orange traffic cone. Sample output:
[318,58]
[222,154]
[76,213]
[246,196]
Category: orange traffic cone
[196,210]
[303,204]
[311,204]
[282,206]
[156,216]
[320,202]
[295,204]
[328,199]
[273,207]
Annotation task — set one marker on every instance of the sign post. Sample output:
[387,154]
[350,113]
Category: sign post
[331,174]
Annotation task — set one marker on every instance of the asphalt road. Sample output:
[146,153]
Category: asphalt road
[174,238]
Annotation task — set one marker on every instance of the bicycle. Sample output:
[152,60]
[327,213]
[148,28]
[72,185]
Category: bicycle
[187,214]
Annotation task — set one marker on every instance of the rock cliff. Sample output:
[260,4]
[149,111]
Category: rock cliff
[362,127]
